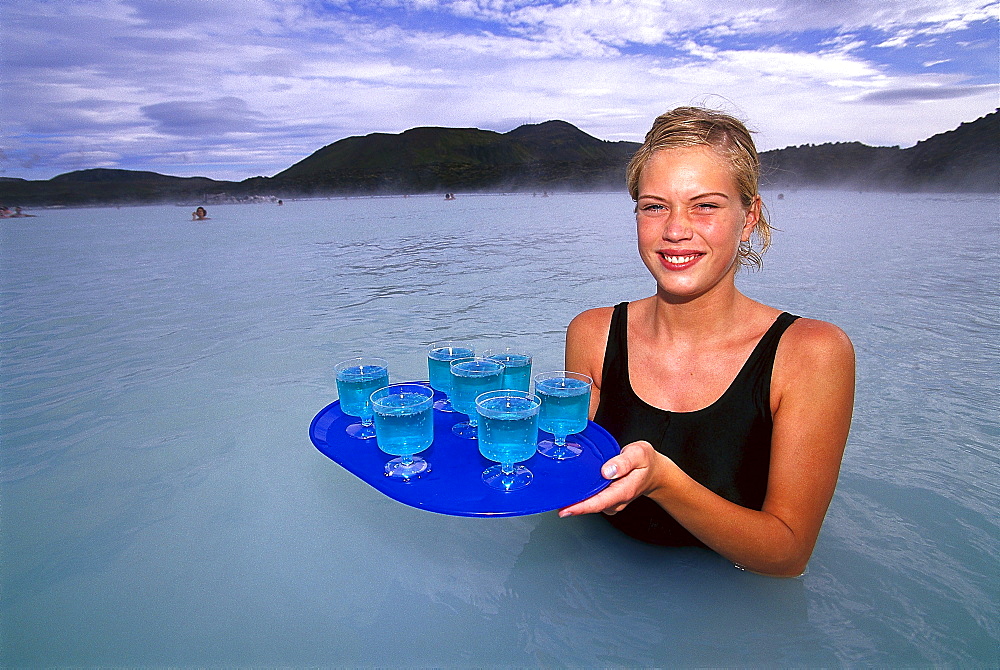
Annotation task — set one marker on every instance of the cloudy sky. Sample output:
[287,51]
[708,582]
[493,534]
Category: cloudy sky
[230,89]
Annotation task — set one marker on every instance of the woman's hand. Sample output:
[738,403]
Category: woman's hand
[636,471]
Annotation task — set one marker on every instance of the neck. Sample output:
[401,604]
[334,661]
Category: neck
[701,318]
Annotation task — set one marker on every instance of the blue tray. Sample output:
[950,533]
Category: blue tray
[454,484]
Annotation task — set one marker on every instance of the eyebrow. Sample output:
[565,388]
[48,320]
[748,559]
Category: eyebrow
[697,197]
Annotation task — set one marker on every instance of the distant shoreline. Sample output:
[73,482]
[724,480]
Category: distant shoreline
[770,195]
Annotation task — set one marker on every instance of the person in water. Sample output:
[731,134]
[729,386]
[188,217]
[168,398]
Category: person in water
[199,214]
[733,415]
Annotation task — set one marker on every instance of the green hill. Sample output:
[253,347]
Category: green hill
[544,156]
[964,159]
[105,186]
[554,154]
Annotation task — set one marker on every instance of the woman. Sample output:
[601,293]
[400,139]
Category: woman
[734,415]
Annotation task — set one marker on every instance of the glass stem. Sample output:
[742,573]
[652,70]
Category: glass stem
[406,459]
[507,468]
[560,440]
[367,421]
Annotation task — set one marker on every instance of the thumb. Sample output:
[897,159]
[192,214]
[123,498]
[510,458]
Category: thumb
[622,464]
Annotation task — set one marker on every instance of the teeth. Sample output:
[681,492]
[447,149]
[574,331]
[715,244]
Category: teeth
[679,259]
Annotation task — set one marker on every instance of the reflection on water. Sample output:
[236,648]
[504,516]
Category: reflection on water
[162,504]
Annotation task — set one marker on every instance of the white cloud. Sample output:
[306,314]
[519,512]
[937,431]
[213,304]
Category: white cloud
[90,158]
[651,21]
[233,89]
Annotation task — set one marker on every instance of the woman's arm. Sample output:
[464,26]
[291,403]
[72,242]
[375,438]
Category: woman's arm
[812,401]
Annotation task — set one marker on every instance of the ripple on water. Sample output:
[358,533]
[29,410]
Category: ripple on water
[162,503]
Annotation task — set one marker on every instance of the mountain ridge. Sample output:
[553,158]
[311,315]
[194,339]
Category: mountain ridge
[422,159]
[552,155]
[965,159]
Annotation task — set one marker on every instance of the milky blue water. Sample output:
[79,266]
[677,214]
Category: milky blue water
[162,503]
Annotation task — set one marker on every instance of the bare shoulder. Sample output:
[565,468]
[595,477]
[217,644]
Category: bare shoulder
[598,318]
[589,329]
[812,354]
[586,339]
[814,340]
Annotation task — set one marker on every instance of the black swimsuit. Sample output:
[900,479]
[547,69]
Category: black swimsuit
[726,446]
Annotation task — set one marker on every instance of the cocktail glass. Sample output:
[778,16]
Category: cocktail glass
[508,432]
[404,423]
[439,358]
[565,407]
[471,377]
[516,367]
[357,378]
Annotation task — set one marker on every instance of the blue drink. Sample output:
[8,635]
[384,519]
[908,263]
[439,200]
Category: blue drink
[470,378]
[357,378]
[516,369]
[404,424]
[507,435]
[439,358]
[565,406]
[355,386]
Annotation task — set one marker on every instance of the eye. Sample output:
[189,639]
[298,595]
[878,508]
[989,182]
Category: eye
[707,206]
[652,208]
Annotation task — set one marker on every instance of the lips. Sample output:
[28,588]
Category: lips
[679,259]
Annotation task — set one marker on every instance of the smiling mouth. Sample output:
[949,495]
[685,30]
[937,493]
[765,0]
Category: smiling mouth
[679,260]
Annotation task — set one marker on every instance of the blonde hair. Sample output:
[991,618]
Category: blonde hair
[730,139]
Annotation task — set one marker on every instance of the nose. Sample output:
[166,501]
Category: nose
[677,227]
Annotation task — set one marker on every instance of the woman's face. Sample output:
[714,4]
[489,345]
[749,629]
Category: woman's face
[690,220]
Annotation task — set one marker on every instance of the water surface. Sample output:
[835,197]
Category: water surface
[162,503]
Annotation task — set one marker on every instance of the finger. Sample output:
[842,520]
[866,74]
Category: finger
[632,456]
[619,493]
[612,511]
[591,505]
[614,495]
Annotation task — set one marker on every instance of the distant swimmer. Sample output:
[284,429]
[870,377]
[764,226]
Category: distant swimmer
[199,214]
[5,213]
[449,196]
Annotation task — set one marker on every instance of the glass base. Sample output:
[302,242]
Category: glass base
[360,431]
[397,469]
[466,430]
[494,477]
[559,452]
[444,406]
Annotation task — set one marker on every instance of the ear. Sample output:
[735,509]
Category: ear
[751,219]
